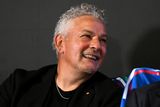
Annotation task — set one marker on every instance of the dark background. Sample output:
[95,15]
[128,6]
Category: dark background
[26,28]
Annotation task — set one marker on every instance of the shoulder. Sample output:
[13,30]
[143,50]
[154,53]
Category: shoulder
[24,83]
[22,77]
[22,74]
[27,73]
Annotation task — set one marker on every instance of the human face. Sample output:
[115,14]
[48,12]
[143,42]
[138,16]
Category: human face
[85,44]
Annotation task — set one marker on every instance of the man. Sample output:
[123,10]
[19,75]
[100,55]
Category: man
[80,42]
[146,96]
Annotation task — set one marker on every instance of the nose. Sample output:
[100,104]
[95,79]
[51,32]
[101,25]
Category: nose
[95,43]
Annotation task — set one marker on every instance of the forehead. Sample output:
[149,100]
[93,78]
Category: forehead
[87,22]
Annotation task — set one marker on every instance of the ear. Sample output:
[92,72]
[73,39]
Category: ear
[58,42]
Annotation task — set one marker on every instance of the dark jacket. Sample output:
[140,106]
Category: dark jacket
[147,96]
[30,89]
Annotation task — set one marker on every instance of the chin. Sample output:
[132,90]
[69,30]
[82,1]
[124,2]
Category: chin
[90,70]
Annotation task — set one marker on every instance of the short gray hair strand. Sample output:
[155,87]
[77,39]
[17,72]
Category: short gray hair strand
[77,11]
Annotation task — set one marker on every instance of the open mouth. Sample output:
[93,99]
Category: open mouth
[91,56]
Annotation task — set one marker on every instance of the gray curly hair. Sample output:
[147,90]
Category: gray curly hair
[73,12]
[77,11]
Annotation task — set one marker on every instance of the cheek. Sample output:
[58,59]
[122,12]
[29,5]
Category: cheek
[104,51]
[78,48]
[75,46]
[73,49]
[81,46]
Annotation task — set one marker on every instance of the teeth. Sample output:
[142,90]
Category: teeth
[90,56]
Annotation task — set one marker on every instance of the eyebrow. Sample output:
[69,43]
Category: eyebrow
[88,31]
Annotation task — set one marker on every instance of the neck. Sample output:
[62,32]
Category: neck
[68,79]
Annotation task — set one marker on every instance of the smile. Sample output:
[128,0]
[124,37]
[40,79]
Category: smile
[91,56]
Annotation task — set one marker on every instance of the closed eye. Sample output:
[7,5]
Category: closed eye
[86,36]
[104,40]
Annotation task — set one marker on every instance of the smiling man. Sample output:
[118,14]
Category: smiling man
[80,42]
